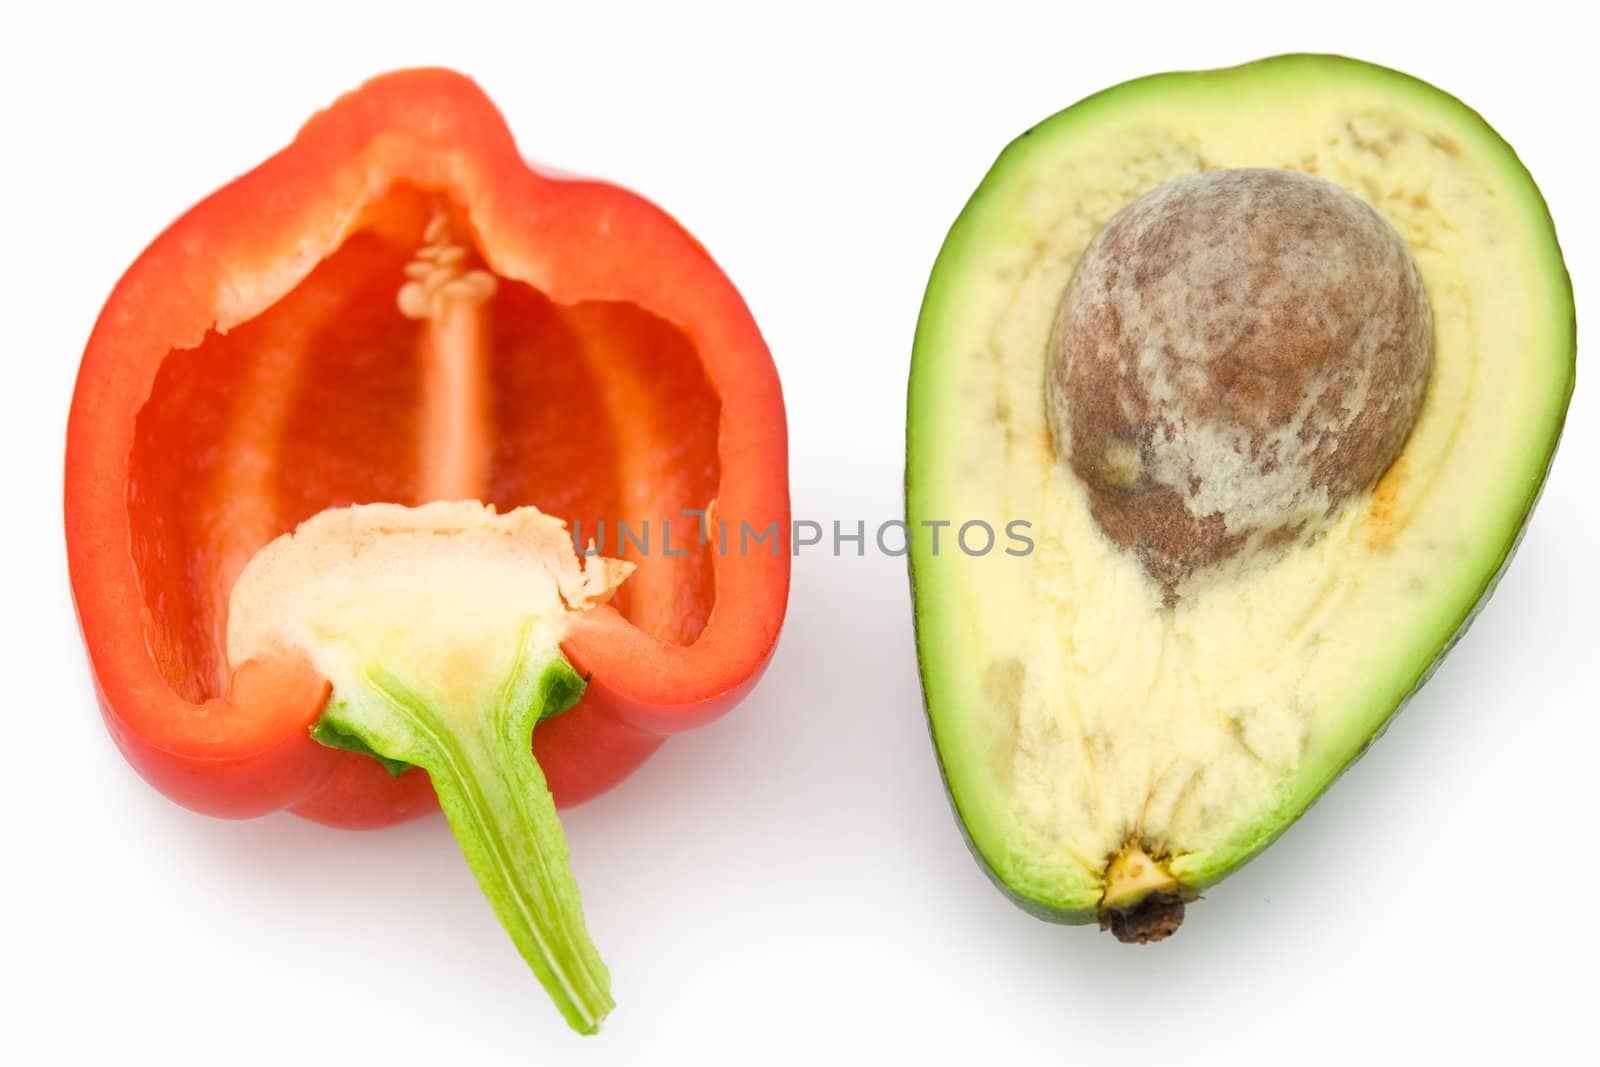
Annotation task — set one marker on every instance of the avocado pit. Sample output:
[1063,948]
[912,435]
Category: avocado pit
[1238,354]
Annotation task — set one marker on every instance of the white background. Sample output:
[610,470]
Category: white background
[788,884]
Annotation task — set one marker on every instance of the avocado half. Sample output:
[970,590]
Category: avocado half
[1110,752]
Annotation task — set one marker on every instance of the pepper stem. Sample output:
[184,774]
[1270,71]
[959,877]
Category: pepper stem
[494,795]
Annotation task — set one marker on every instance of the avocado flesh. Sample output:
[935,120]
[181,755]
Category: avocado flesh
[1078,719]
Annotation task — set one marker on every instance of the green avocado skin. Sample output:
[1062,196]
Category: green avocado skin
[1053,913]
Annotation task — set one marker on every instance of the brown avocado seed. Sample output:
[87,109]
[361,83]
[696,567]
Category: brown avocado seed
[1238,354]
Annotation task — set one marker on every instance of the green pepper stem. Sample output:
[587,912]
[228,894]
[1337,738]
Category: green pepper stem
[494,795]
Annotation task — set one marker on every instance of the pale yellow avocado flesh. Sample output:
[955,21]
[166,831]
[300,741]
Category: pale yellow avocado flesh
[1074,714]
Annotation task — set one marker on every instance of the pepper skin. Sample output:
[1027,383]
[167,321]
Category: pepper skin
[250,370]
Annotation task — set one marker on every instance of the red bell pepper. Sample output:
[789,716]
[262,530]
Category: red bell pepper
[252,369]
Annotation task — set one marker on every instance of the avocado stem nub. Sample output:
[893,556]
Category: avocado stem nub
[1141,902]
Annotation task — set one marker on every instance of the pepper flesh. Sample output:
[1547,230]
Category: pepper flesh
[252,369]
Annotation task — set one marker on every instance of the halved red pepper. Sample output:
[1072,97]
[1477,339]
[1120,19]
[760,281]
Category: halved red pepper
[251,369]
